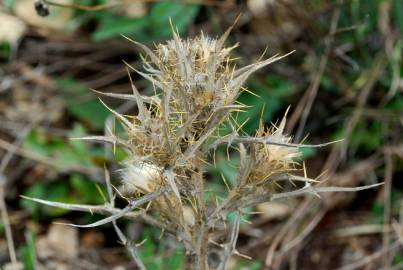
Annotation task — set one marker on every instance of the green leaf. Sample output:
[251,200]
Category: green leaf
[5,51]
[57,191]
[148,251]
[181,15]
[307,152]
[115,27]
[154,250]
[269,96]
[37,143]
[27,252]
[176,260]
[398,259]
[65,153]
[82,103]
[151,27]
[227,167]
[368,136]
[120,154]
[87,192]
[396,103]
[78,189]
[79,146]
[36,191]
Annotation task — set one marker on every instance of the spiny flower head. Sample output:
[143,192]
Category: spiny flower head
[142,177]
[270,159]
[198,70]
[196,86]
[146,178]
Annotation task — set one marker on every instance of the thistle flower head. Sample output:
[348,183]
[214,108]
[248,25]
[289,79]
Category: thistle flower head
[148,143]
[142,177]
[146,178]
[271,159]
[198,70]
[196,85]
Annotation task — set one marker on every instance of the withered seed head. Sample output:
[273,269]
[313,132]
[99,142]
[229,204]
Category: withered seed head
[198,71]
[196,85]
[142,177]
[272,160]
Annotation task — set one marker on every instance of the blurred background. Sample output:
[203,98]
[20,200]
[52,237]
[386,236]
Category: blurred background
[344,81]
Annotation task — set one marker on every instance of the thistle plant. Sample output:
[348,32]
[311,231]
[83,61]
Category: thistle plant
[173,137]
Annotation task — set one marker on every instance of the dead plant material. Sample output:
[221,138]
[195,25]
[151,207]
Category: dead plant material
[173,137]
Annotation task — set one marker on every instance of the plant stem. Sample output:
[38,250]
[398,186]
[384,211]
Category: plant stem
[200,261]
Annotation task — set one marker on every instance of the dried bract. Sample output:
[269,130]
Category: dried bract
[272,160]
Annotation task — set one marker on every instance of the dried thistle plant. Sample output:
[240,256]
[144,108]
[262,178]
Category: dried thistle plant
[173,138]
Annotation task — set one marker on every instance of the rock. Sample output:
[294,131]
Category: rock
[60,242]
